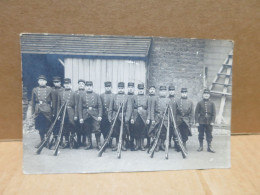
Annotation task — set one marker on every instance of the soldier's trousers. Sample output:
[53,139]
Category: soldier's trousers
[105,126]
[207,129]
[42,124]
[116,132]
[92,126]
[68,127]
[139,128]
[184,131]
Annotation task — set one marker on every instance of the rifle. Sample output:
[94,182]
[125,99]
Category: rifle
[119,147]
[176,131]
[158,133]
[167,137]
[49,132]
[102,149]
[60,131]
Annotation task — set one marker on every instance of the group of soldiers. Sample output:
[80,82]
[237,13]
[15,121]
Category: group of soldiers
[89,113]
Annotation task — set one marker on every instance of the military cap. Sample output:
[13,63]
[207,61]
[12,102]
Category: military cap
[108,84]
[89,83]
[42,77]
[131,84]
[184,90]
[152,86]
[56,78]
[140,86]
[81,80]
[121,84]
[67,80]
[162,88]
[206,90]
[171,87]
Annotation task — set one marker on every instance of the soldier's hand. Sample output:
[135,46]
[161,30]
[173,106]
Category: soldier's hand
[75,118]
[99,118]
[132,121]
[211,124]
[147,122]
[59,118]
[81,121]
[153,122]
[197,124]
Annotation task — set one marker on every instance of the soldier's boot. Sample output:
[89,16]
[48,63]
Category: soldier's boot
[84,141]
[148,142]
[142,144]
[162,147]
[89,145]
[123,145]
[131,144]
[201,147]
[98,142]
[71,141]
[115,147]
[42,138]
[184,144]
[210,148]
[158,146]
[110,143]
[137,145]
[55,138]
[79,140]
[66,143]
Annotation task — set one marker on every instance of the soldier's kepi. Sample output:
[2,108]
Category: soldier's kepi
[117,100]
[205,114]
[41,107]
[184,116]
[90,114]
[106,98]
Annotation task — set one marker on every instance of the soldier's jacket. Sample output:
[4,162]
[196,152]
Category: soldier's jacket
[158,107]
[70,97]
[131,98]
[205,112]
[172,104]
[184,112]
[151,98]
[90,105]
[55,94]
[114,105]
[140,107]
[41,101]
[106,98]
[78,94]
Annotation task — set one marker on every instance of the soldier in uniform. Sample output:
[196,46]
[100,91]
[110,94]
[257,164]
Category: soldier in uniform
[205,114]
[81,134]
[184,116]
[117,100]
[90,114]
[129,126]
[67,95]
[140,117]
[105,99]
[157,111]
[41,107]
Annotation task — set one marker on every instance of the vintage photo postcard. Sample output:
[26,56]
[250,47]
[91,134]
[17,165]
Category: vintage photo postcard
[125,103]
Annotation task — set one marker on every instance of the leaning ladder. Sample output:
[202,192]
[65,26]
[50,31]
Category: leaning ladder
[226,72]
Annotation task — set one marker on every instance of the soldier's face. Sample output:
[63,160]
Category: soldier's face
[206,96]
[152,91]
[81,85]
[131,89]
[141,91]
[162,92]
[89,88]
[107,89]
[172,92]
[67,85]
[57,83]
[42,82]
[184,94]
[121,89]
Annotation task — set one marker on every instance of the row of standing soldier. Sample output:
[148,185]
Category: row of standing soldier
[88,112]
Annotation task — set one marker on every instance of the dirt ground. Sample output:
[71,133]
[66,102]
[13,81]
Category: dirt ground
[87,161]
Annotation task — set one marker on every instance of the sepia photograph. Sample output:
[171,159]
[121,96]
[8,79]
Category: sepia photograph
[95,103]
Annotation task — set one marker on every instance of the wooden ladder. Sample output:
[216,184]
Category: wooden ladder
[226,72]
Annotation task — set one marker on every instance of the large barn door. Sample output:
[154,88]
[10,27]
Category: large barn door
[101,70]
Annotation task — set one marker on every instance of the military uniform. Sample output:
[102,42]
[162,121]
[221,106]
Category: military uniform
[129,126]
[81,134]
[117,100]
[90,109]
[105,99]
[140,116]
[184,117]
[67,95]
[205,114]
[41,107]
